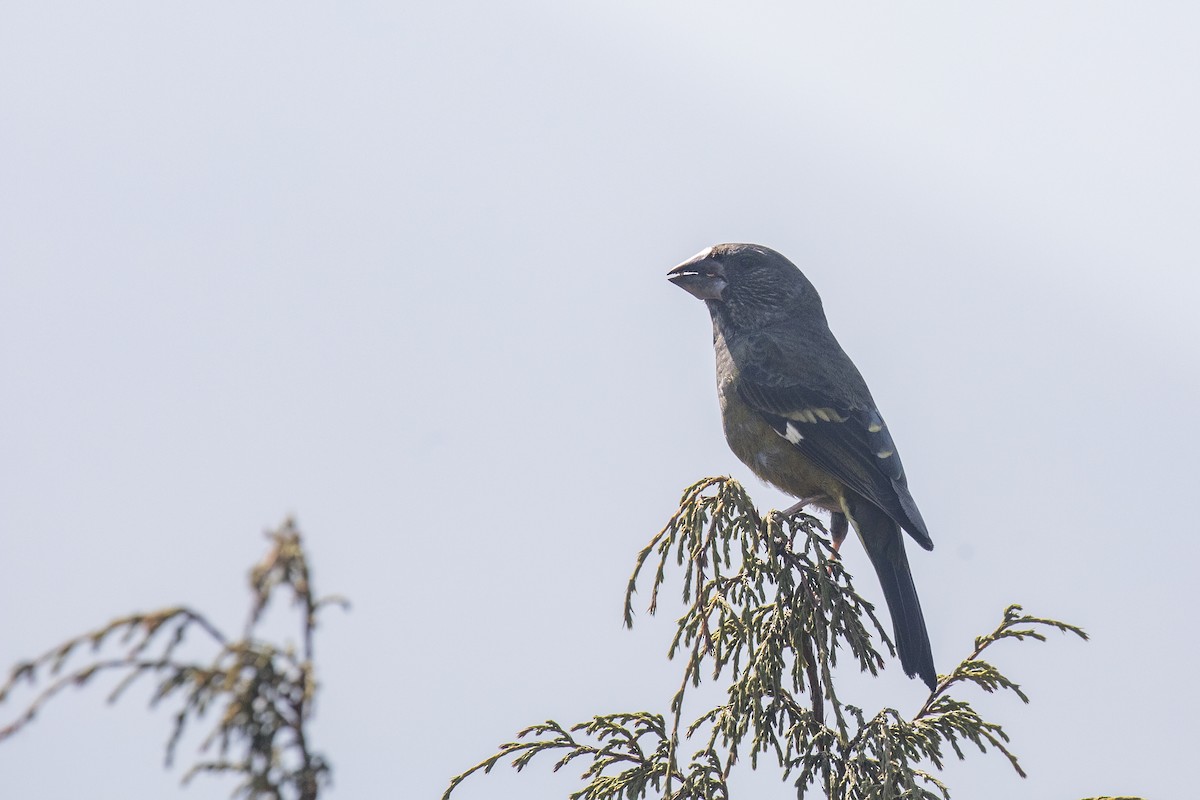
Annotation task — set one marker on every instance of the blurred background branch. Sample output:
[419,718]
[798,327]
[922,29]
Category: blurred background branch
[260,692]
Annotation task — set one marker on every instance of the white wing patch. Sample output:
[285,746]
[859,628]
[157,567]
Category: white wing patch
[792,434]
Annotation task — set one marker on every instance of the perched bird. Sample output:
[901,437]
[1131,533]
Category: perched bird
[797,412]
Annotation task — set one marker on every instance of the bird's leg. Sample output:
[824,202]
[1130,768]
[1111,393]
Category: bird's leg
[838,528]
[798,507]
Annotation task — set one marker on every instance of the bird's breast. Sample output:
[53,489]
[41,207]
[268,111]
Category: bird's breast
[771,457]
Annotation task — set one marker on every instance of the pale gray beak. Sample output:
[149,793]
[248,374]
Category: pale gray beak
[701,276]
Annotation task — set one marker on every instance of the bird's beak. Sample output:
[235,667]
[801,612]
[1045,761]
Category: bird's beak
[700,276]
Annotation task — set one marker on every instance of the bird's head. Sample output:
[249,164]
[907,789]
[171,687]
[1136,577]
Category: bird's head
[748,286]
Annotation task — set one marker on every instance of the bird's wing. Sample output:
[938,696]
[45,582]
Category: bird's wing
[832,419]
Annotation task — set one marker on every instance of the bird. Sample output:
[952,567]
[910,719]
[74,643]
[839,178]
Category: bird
[798,413]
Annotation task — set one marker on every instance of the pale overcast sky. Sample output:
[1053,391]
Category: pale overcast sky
[399,270]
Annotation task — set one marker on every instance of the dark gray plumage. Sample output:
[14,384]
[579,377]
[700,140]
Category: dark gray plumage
[797,412]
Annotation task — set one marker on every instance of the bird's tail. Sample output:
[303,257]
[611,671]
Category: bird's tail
[884,543]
